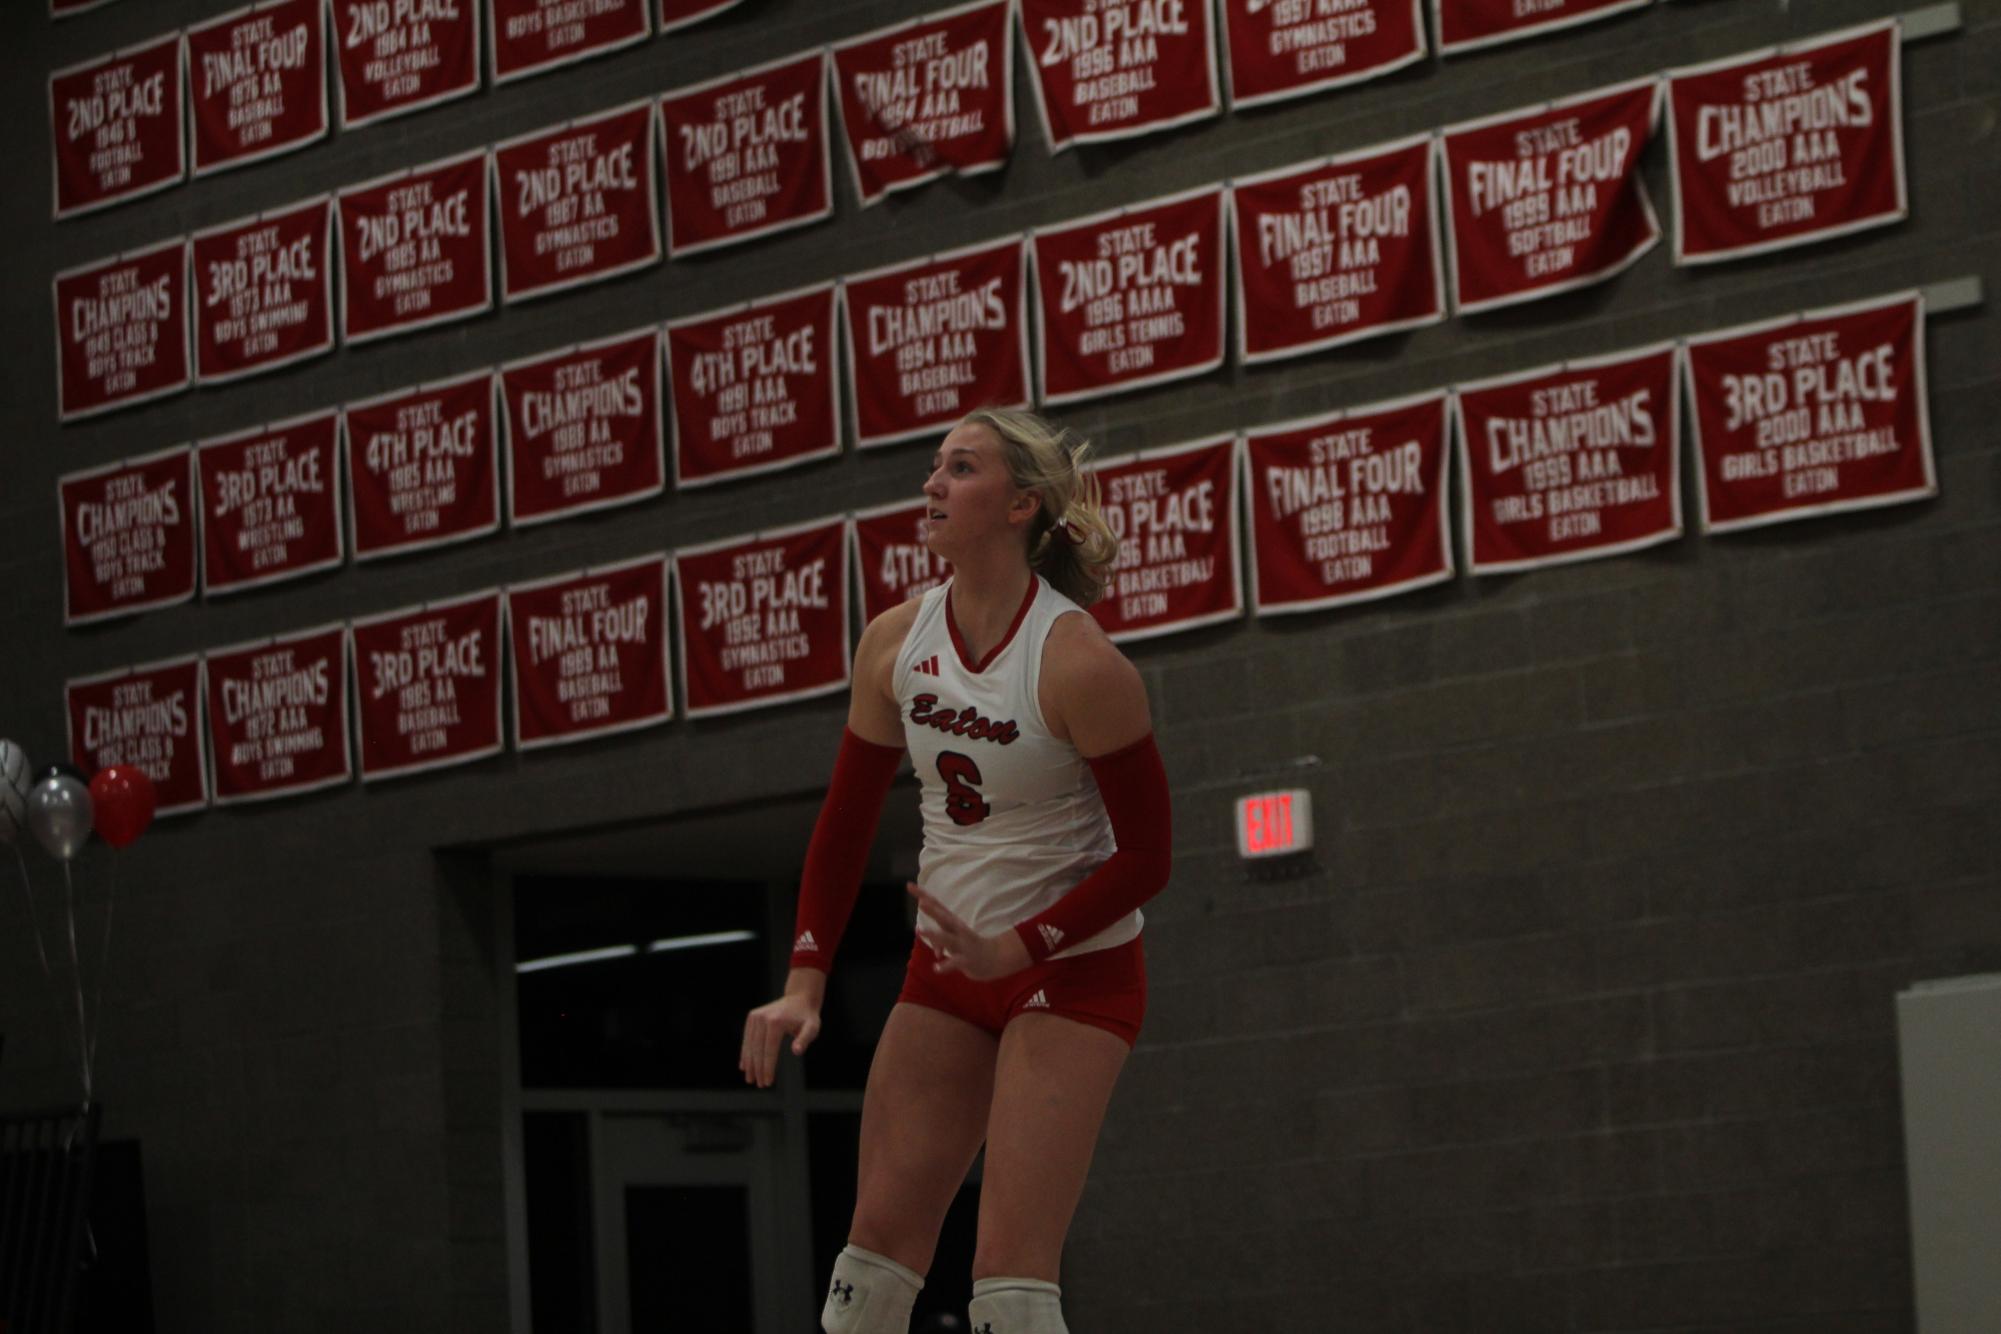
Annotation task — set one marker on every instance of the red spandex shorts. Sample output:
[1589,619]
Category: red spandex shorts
[1105,989]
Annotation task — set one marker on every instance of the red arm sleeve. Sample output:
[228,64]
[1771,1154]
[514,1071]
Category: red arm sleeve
[839,850]
[1134,786]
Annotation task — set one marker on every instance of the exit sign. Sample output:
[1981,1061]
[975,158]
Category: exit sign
[1274,824]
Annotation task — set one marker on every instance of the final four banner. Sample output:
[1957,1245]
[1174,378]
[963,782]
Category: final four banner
[415,249]
[116,127]
[263,291]
[270,504]
[583,428]
[257,83]
[1337,251]
[1113,69]
[754,387]
[1787,146]
[893,562]
[128,536]
[422,469]
[763,618]
[1281,49]
[1549,199]
[577,203]
[277,716]
[427,686]
[1812,414]
[681,13]
[149,717]
[1467,25]
[398,56]
[1571,462]
[747,155]
[1175,512]
[532,36]
[590,653]
[122,330]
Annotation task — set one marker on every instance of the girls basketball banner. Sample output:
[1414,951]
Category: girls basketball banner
[421,467]
[929,342]
[270,504]
[747,155]
[1467,25]
[1812,414]
[1550,199]
[263,291]
[427,686]
[415,249]
[583,428]
[1132,297]
[532,36]
[116,127]
[1175,513]
[1337,251]
[277,716]
[590,653]
[257,83]
[122,330]
[764,619]
[398,56]
[1787,146]
[754,387]
[893,563]
[148,717]
[928,96]
[1349,507]
[1281,49]
[128,536]
[1113,69]
[680,13]
[577,203]
[1571,462]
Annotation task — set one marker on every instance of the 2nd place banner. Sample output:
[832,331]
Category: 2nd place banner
[116,127]
[1113,69]
[270,503]
[146,716]
[416,249]
[577,203]
[754,387]
[257,83]
[1174,511]
[747,155]
[763,619]
[398,56]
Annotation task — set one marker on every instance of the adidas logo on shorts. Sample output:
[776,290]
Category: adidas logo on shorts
[805,944]
[1039,1001]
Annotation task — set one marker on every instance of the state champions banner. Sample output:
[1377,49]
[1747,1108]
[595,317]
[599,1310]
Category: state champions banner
[893,562]
[1571,462]
[263,291]
[1789,145]
[681,13]
[763,618]
[427,685]
[747,155]
[590,653]
[583,428]
[122,330]
[399,56]
[148,717]
[931,341]
[128,534]
[257,83]
[115,127]
[1815,413]
[277,716]
[1131,297]
[416,249]
[1549,199]
[754,387]
[1113,69]
[1281,49]
[577,203]
[1174,510]
[270,503]
[1467,25]
[422,467]
[1337,251]
[1349,507]
[534,36]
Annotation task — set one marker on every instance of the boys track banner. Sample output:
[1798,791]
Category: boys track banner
[1467,25]
[122,330]
[270,503]
[399,56]
[534,36]
[257,83]
[747,155]
[1282,49]
[277,716]
[590,653]
[892,561]
[128,533]
[116,127]
[427,685]
[764,618]
[263,293]
[754,387]
[416,249]
[1113,69]
[577,203]
[583,428]
[422,467]
[1174,510]
[147,716]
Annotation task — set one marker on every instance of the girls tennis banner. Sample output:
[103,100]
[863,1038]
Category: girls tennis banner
[116,127]
[764,618]
[754,387]
[531,36]
[149,717]
[277,716]
[1175,513]
[270,503]
[892,560]
[122,330]
[128,536]
[1113,69]
[398,56]
[583,428]
[590,653]
[257,83]
[577,203]
[421,467]
[415,249]
[427,686]
[1281,49]
[747,155]
[263,291]
[680,13]
[1467,25]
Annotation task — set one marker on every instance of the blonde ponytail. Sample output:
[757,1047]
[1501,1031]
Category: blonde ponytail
[1070,543]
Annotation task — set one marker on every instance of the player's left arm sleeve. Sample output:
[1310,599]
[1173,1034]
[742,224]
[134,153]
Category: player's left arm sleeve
[1134,786]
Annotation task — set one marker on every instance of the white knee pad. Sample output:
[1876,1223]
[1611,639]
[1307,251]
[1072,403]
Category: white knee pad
[1017,1306]
[871,1294]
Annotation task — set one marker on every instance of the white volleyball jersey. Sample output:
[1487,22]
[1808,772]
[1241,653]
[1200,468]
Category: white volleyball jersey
[1012,815]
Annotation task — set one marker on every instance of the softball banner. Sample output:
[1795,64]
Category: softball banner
[1174,510]
[754,387]
[277,716]
[122,330]
[590,653]
[128,536]
[1467,25]
[146,716]
[893,563]
[427,686]
[680,13]
[747,155]
[398,56]
[764,618]
[263,293]
[532,36]
[1113,69]
[257,83]
[270,504]
[583,428]
[1279,50]
[577,203]
[421,467]
[415,249]
[116,127]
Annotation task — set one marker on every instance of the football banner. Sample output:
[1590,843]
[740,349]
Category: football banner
[270,504]
[1174,510]
[1113,69]
[257,83]
[680,13]
[415,249]
[128,536]
[263,291]
[422,469]
[1281,49]
[1467,25]
[583,428]
[122,330]
[148,717]
[590,653]
[577,203]
[277,716]
[754,387]
[398,56]
[747,155]
[763,618]
[115,124]
[427,686]
[533,36]
[893,562]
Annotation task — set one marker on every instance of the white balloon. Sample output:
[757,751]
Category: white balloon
[13,791]
[59,816]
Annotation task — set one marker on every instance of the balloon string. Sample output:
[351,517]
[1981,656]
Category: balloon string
[35,924]
[76,966]
[103,964]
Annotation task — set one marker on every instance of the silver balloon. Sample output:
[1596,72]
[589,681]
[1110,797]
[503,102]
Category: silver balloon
[59,815]
[13,790]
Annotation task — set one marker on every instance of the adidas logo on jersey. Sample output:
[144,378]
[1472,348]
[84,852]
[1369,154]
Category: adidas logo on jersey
[928,666]
[1051,936]
[1039,1001]
[805,944]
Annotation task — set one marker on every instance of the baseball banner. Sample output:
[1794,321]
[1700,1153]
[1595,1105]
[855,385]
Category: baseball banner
[277,716]
[399,56]
[590,653]
[263,294]
[1349,507]
[929,342]
[62,9]
[764,618]
[754,387]
[583,428]
[122,330]
[533,36]
[577,203]
[1787,146]
[148,717]
[680,13]
[1113,69]
[257,83]
[1467,25]
[421,467]
[115,123]
[1570,462]
[1550,199]
[1280,49]
[893,562]
[1175,512]
[128,536]
[270,504]
[1337,251]
[1813,414]
[747,155]
[415,249]
[427,686]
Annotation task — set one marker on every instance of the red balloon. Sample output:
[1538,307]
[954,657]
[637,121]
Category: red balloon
[123,799]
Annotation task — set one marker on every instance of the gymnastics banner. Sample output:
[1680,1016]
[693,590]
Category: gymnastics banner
[270,504]
[754,387]
[1175,512]
[1113,69]
[263,291]
[533,36]
[1570,462]
[148,717]
[277,715]
[929,342]
[577,203]
[1787,146]
[583,428]
[122,330]
[1550,199]
[1467,25]
[590,653]
[115,123]
[892,561]
[257,83]
[1281,49]
[1337,251]
[764,618]
[398,56]
[128,536]
[427,686]
[680,13]
[415,249]
[421,467]
[747,155]
[1812,414]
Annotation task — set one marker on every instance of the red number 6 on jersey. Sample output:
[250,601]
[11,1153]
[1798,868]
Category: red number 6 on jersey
[962,794]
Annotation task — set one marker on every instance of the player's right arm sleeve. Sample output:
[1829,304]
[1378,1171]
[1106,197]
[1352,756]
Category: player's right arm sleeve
[839,850]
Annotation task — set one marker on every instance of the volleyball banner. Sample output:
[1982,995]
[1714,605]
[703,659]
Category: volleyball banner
[257,83]
[128,536]
[415,249]
[532,36]
[929,342]
[427,686]
[122,330]
[747,155]
[577,203]
[590,653]
[1812,414]
[398,56]
[1113,69]
[277,716]
[421,467]
[764,618]
[263,291]
[1287,49]
[1467,25]
[680,13]
[148,717]
[583,428]
[1175,513]
[754,387]
[115,123]
[270,504]
[892,561]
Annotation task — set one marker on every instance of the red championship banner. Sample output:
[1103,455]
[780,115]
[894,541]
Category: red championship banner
[754,387]
[1813,414]
[277,716]
[1349,507]
[415,249]
[533,36]
[1787,146]
[1280,49]
[116,125]
[62,9]
[427,686]
[681,13]
[764,619]
[1550,199]
[421,467]
[928,96]
[1113,69]
[747,155]
[1467,25]
[1337,251]
[893,562]
[270,504]
[122,330]
[148,717]
[257,83]
[1132,297]
[1175,512]
[397,56]
[590,653]
[128,536]
[929,342]
[577,203]
[1570,462]
[263,294]
[583,428]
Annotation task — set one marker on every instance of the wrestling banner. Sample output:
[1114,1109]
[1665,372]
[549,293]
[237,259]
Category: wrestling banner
[270,504]
[421,467]
[754,387]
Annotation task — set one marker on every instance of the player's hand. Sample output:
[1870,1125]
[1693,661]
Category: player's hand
[765,1031]
[960,949]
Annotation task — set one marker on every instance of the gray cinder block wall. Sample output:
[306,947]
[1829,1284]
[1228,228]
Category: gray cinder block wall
[1583,1021]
